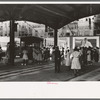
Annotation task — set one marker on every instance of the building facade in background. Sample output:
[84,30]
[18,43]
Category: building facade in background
[88,26]
[81,27]
[97,25]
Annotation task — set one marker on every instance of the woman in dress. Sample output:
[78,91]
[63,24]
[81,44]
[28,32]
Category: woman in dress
[75,65]
[67,59]
[25,56]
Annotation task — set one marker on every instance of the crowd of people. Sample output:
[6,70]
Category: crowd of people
[35,54]
[75,59]
[80,57]
[28,53]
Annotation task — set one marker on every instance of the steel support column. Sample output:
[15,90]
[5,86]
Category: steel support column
[12,45]
[46,33]
[55,38]
[55,44]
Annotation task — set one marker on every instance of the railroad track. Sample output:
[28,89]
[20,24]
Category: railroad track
[25,71]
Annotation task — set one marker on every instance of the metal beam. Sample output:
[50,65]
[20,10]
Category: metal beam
[55,38]
[55,44]
[53,12]
[12,46]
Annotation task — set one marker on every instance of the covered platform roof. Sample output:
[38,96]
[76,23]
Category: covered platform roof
[53,15]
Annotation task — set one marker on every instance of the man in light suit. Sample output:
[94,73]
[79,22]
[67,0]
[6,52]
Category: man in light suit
[86,43]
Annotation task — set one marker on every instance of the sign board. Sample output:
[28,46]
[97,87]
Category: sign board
[94,40]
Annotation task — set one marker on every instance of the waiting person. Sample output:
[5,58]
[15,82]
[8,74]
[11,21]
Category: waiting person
[67,59]
[92,55]
[0,53]
[30,53]
[51,50]
[81,56]
[34,54]
[85,56]
[46,54]
[21,49]
[43,55]
[96,55]
[25,56]
[8,53]
[53,54]
[75,65]
[39,56]
[89,56]
[57,59]
[97,48]
[62,53]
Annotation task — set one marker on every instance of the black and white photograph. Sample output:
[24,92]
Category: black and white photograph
[49,42]
[50,49]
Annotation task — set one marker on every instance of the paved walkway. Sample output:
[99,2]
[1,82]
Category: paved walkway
[91,76]
[43,72]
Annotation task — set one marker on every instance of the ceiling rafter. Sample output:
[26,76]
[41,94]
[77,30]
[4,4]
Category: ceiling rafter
[55,15]
[32,8]
[57,9]
[42,18]
[37,21]
[51,11]
[40,15]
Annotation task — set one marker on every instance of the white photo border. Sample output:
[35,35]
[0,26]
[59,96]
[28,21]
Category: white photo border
[41,90]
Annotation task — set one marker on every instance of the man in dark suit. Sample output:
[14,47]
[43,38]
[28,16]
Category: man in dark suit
[57,60]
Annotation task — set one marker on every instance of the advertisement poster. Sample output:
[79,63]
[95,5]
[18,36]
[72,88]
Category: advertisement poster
[77,41]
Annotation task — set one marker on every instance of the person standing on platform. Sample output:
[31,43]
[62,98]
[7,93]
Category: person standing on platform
[53,54]
[81,56]
[89,56]
[1,53]
[62,53]
[84,56]
[57,59]
[30,54]
[34,54]
[67,59]
[43,53]
[96,55]
[8,53]
[39,56]
[25,56]
[75,65]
